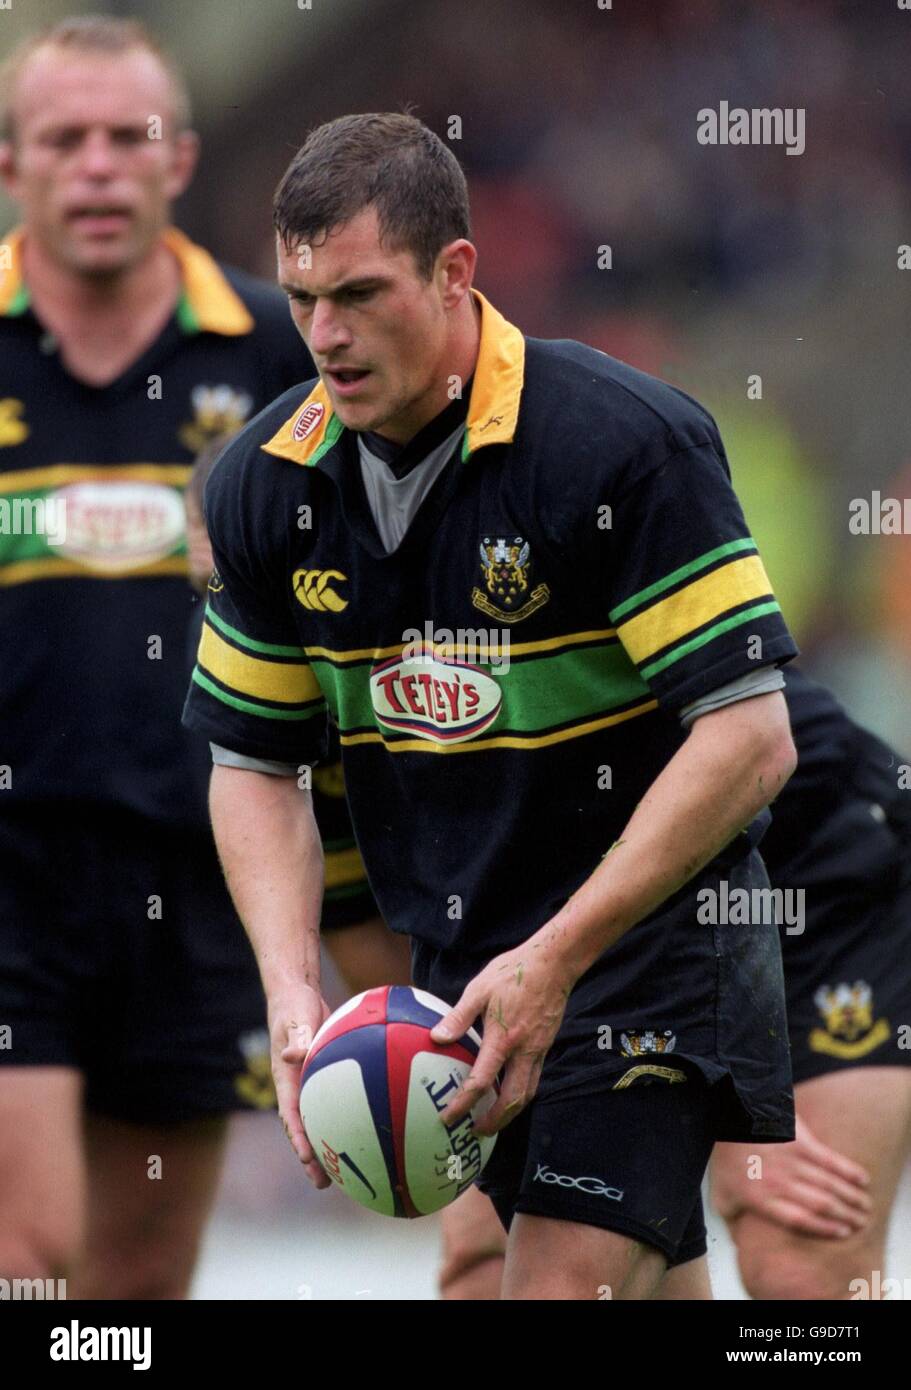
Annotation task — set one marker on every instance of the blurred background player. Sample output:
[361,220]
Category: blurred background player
[135,1021]
[813,1215]
[841,835]
[362,948]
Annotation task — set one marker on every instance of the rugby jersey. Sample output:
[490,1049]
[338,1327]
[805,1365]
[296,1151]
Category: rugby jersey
[586,520]
[94,612]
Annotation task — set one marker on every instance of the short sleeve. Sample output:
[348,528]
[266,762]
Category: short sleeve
[690,598]
[252,690]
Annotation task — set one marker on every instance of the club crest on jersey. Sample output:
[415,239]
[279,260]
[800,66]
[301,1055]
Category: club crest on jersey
[848,1013]
[444,701]
[505,566]
[217,410]
[308,420]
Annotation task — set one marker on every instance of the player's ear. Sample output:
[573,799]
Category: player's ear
[183,162]
[456,264]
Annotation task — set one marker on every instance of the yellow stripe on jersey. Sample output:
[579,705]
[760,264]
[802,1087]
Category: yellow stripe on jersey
[285,682]
[24,571]
[674,618]
[59,474]
[483,745]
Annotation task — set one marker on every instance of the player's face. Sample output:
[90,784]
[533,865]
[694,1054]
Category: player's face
[93,182]
[377,331]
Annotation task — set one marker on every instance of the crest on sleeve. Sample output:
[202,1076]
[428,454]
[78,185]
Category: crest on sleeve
[506,565]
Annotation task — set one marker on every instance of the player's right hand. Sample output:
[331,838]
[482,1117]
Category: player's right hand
[804,1186]
[294,1020]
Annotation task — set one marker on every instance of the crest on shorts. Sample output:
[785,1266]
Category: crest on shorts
[13,429]
[217,410]
[506,565]
[255,1085]
[646,1042]
[848,1013]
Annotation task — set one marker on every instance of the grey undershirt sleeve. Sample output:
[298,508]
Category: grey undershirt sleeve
[761,682]
[226,758]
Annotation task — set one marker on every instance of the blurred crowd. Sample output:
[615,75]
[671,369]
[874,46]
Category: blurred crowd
[577,127]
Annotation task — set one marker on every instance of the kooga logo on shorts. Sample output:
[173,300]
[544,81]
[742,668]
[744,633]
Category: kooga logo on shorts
[592,1187]
[443,701]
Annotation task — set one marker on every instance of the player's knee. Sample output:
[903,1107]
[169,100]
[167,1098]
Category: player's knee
[155,1275]
[475,1277]
[816,1269]
[33,1252]
[474,1249]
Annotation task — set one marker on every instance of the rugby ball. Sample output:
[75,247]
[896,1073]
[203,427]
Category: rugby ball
[372,1089]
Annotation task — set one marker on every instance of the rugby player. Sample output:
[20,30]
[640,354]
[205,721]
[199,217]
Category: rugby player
[541,830]
[816,1221]
[813,1217]
[133,1017]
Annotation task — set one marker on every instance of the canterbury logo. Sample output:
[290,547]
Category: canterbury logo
[312,589]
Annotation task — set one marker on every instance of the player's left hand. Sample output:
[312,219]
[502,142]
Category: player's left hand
[522,996]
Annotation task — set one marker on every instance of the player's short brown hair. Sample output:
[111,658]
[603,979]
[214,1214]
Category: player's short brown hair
[389,160]
[90,34]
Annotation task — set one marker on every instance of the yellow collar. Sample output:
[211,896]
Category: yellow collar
[207,303]
[492,411]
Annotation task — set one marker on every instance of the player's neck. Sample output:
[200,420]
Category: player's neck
[458,362]
[102,325]
[66,300]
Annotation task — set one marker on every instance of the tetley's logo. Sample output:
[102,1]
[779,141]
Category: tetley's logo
[113,527]
[442,701]
[307,421]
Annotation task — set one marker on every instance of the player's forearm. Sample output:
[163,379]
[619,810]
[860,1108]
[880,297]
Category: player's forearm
[732,765]
[272,858]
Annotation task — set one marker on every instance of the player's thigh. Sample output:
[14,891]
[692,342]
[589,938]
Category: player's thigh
[864,1113]
[559,1260]
[42,1170]
[151,1188]
[368,954]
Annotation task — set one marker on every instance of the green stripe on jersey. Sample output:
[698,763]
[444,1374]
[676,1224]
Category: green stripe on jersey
[268,648]
[252,706]
[538,693]
[662,585]
[759,610]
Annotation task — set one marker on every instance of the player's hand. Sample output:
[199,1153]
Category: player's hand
[805,1186]
[522,996]
[294,1020]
